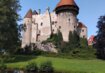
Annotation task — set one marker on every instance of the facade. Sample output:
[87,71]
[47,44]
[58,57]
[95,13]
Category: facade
[39,26]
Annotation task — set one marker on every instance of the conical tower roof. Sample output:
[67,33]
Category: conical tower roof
[66,2]
[29,14]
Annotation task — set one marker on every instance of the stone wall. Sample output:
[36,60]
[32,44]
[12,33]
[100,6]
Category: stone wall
[66,22]
[27,32]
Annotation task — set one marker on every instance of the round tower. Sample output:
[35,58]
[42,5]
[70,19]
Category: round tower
[67,11]
[26,41]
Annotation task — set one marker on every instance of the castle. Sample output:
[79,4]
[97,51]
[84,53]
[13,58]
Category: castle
[39,26]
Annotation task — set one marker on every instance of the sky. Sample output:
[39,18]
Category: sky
[90,10]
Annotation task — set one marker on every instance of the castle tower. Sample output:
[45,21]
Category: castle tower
[67,12]
[28,27]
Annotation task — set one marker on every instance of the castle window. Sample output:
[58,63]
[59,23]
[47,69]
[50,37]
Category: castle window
[82,30]
[52,22]
[39,32]
[55,22]
[74,26]
[69,19]
[53,30]
[59,27]
[41,24]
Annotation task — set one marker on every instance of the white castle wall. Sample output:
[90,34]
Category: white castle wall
[82,32]
[66,22]
[42,27]
[39,28]
[54,22]
[27,33]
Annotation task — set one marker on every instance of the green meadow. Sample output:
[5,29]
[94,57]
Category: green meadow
[64,65]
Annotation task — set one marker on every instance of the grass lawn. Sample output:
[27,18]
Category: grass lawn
[68,65]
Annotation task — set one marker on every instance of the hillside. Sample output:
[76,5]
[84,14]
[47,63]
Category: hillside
[65,65]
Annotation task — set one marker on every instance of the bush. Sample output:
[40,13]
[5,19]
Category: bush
[3,67]
[46,67]
[31,67]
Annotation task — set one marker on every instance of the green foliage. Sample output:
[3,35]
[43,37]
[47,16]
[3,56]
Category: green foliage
[56,38]
[2,65]
[74,42]
[9,34]
[76,47]
[74,39]
[100,38]
[83,43]
[67,47]
[31,67]
[46,67]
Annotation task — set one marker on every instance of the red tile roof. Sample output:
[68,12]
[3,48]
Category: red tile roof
[91,40]
[66,2]
[81,25]
[29,14]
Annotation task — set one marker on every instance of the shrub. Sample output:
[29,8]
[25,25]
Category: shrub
[3,67]
[46,67]
[31,67]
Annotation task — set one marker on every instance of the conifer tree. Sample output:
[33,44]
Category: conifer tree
[100,38]
[74,39]
[9,34]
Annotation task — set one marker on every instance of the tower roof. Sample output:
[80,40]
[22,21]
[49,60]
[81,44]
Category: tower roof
[66,2]
[81,25]
[29,14]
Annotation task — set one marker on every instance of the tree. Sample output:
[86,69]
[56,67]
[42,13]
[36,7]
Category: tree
[9,33]
[83,43]
[74,39]
[73,43]
[100,38]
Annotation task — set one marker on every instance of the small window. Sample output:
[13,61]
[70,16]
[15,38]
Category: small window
[74,26]
[55,22]
[69,19]
[82,30]
[53,30]
[52,22]
[41,24]
[59,27]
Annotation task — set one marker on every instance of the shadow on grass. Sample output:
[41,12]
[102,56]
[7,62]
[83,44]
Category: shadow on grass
[20,58]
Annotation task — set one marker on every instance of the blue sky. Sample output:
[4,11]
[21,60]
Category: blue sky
[90,10]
